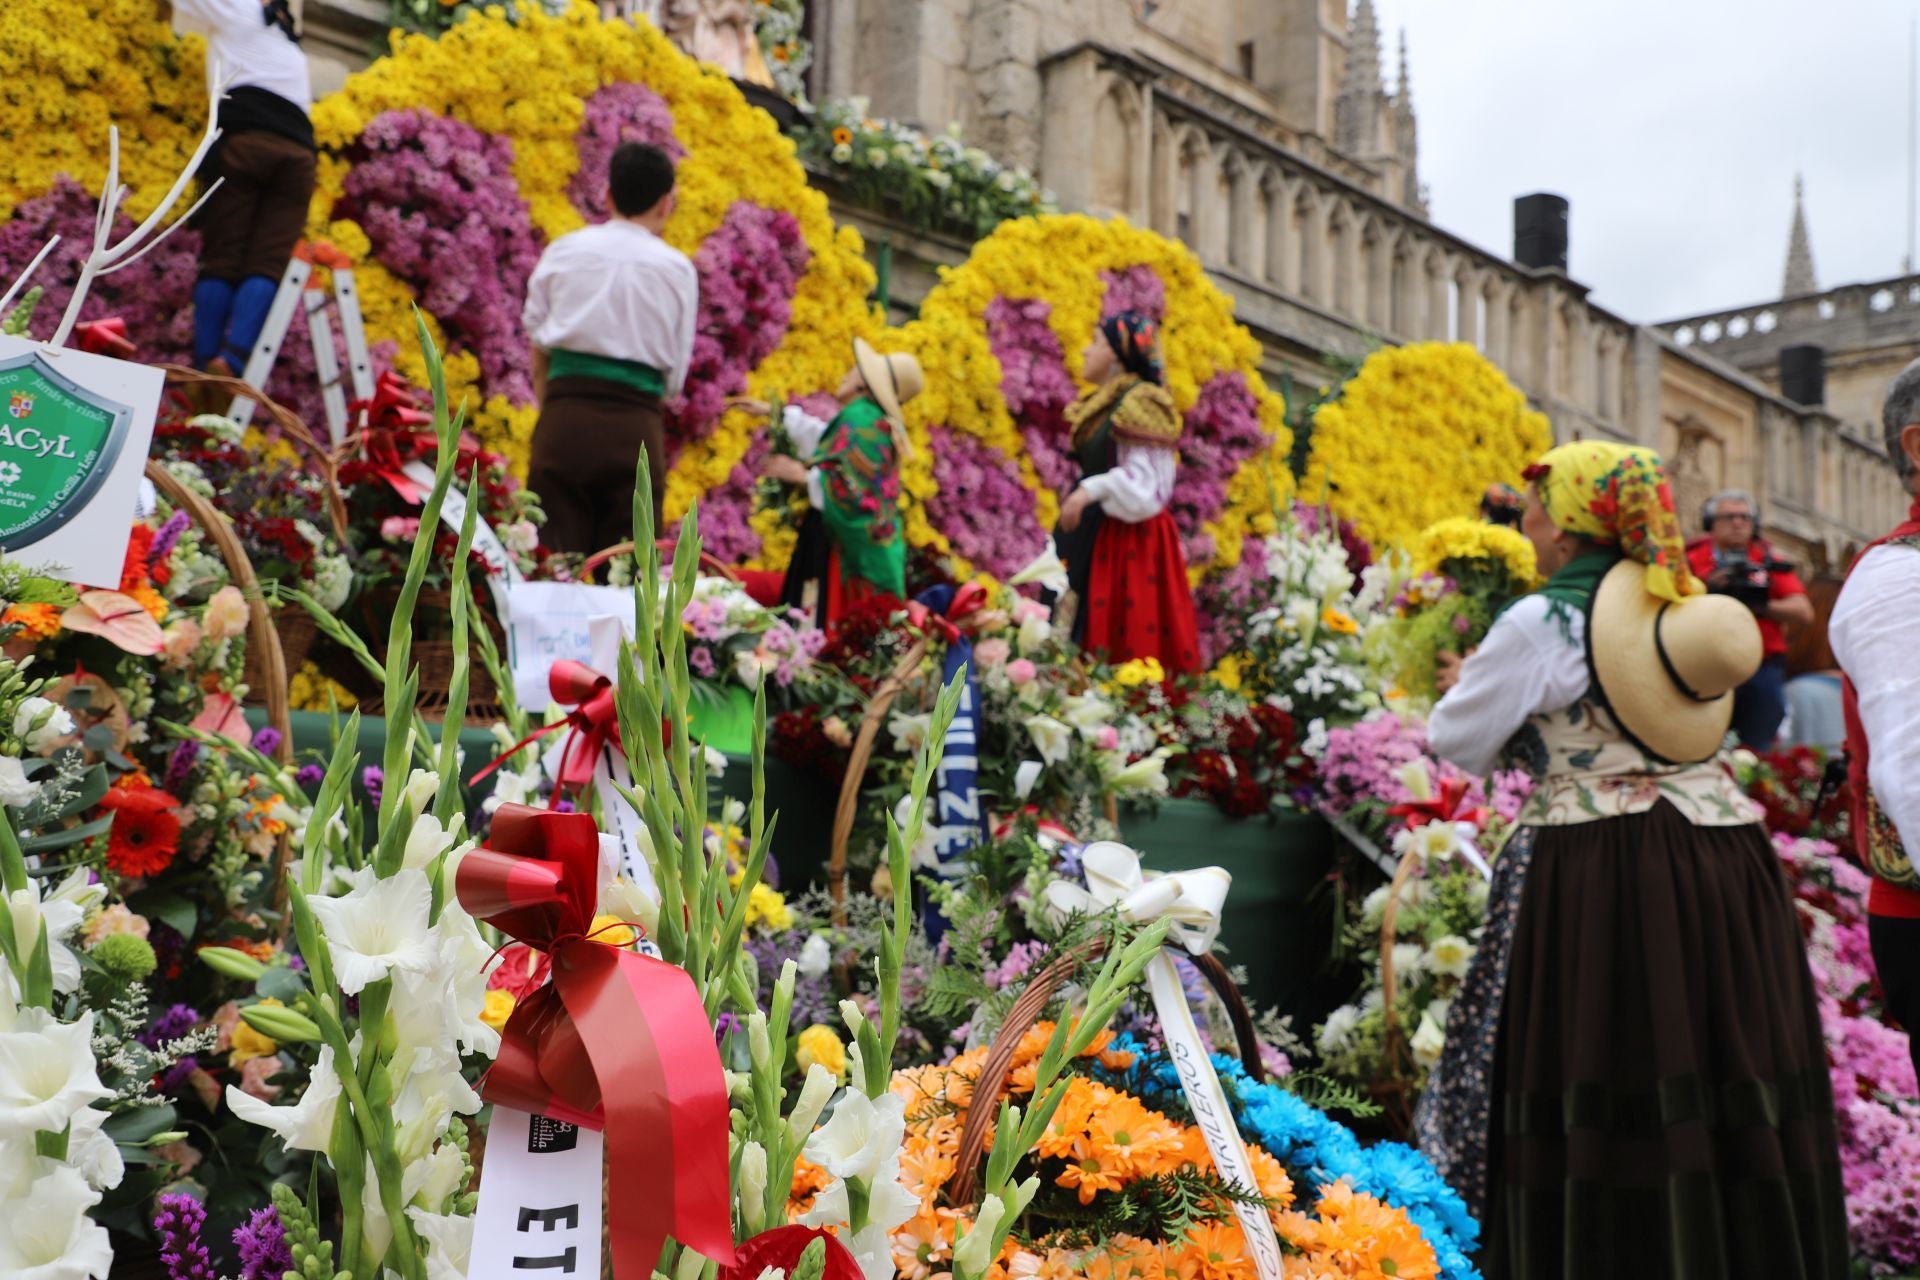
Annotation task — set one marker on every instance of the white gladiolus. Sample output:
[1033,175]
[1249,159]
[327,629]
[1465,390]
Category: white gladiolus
[449,1240]
[377,928]
[1450,956]
[860,1137]
[815,1091]
[16,789]
[973,1253]
[751,1186]
[308,1124]
[46,1233]
[422,786]
[47,1074]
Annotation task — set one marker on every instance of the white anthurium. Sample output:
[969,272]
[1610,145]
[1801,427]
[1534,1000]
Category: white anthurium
[449,1238]
[378,927]
[47,1073]
[92,1152]
[816,956]
[46,1233]
[1052,739]
[16,788]
[1025,777]
[861,1136]
[307,1125]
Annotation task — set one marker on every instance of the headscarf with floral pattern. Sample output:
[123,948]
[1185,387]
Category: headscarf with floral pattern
[1619,495]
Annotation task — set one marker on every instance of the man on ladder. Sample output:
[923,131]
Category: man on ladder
[264,162]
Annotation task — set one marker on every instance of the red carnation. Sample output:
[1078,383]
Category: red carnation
[145,834]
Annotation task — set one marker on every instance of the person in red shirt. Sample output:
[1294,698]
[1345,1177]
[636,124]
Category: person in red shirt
[1734,560]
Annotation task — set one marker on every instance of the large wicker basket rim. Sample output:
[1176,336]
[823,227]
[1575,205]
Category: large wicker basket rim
[708,561]
[877,706]
[982,1110]
[260,634]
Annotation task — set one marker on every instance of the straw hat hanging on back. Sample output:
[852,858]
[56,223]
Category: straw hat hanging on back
[893,380]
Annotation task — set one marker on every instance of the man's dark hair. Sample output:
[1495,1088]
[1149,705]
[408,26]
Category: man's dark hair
[638,178]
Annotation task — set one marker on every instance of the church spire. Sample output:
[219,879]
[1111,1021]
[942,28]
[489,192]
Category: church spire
[1357,111]
[1403,98]
[1799,277]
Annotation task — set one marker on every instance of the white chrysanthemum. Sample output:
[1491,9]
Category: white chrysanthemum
[1450,956]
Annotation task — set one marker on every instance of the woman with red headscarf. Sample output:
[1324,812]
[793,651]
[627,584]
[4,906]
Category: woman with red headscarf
[1124,562]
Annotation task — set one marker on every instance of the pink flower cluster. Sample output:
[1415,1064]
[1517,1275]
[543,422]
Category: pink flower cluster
[1035,384]
[440,204]
[1875,1095]
[982,507]
[615,114]
[1134,289]
[154,295]
[1222,431]
[749,268]
[1361,763]
[796,642]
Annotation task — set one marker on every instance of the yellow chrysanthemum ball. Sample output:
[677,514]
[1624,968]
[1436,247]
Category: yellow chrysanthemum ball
[1416,436]
[1465,539]
[530,82]
[1031,295]
[69,72]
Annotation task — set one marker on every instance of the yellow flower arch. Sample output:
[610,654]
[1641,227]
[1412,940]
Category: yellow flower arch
[1416,436]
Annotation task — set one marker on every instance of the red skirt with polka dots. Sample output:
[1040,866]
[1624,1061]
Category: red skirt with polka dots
[1138,604]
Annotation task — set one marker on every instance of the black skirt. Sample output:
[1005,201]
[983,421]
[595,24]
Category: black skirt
[1664,1103]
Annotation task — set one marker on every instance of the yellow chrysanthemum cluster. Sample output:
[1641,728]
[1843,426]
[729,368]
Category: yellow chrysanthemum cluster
[529,81]
[1462,538]
[70,72]
[1059,259]
[1417,435]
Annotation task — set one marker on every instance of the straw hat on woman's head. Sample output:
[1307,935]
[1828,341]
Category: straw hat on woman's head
[892,379]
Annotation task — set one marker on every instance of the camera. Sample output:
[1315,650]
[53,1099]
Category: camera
[1747,580]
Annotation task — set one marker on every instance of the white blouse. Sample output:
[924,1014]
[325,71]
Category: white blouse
[1527,665]
[1139,486]
[805,431]
[1872,629]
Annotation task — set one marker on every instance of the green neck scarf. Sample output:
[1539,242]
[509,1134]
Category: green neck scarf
[1570,591]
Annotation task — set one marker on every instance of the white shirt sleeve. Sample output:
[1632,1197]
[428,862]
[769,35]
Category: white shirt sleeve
[539,299]
[687,293]
[1139,485]
[805,431]
[211,15]
[1872,629]
[1525,666]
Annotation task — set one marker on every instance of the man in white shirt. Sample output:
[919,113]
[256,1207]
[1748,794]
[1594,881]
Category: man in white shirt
[1873,630]
[611,311]
[264,161]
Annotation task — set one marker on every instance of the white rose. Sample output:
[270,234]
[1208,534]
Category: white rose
[40,723]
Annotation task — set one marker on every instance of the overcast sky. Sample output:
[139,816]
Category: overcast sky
[1675,128]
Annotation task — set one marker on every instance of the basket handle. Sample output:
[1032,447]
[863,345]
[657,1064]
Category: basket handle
[260,632]
[708,562]
[1395,1046]
[876,711]
[983,1109]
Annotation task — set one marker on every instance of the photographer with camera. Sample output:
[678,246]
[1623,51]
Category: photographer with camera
[1734,560]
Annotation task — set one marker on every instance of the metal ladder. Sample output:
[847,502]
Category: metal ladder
[295,290]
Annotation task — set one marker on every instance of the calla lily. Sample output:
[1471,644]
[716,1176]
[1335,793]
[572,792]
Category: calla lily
[1025,777]
[47,1074]
[1046,570]
[117,618]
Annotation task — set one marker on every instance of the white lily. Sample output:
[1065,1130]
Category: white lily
[1052,739]
[378,927]
[1149,773]
[46,1233]
[1047,570]
[47,1073]
[1025,777]
[1087,712]
[909,732]
[308,1124]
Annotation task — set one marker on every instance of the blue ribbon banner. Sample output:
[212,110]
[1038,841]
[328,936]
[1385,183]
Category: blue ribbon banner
[958,822]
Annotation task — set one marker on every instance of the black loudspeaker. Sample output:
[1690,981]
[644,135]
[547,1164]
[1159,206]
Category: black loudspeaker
[1803,374]
[1540,231]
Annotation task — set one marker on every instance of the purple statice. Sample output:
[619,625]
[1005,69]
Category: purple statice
[178,1074]
[749,269]
[180,763]
[813,996]
[1134,289]
[309,775]
[1223,430]
[982,506]
[615,114]
[154,294]
[1035,384]
[261,1242]
[178,1222]
[373,779]
[266,740]
[167,536]
[443,210]
[170,1025]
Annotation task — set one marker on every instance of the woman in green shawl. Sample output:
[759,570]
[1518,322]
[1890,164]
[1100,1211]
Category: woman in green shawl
[852,544]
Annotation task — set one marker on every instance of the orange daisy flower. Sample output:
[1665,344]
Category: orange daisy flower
[1089,1173]
[1216,1251]
[921,1245]
[36,621]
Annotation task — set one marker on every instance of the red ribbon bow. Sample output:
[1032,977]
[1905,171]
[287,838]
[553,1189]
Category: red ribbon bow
[594,724]
[391,432]
[968,599]
[104,337]
[617,1041]
[1444,807]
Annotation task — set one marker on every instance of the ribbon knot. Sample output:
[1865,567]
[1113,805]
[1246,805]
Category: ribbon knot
[1449,809]
[614,1041]
[1191,900]
[592,724]
[104,337]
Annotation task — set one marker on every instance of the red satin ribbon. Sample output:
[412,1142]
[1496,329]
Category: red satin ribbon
[968,599]
[617,1041]
[594,724]
[104,337]
[1444,807]
[782,1247]
[391,434]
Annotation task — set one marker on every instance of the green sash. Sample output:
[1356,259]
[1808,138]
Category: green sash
[860,488]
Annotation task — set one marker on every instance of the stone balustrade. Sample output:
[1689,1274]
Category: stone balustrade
[1846,318]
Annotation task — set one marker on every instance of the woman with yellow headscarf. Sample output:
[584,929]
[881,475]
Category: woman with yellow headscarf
[1634,1082]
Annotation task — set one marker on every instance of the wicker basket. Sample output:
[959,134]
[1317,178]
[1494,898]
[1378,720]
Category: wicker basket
[709,563]
[433,653]
[1393,1090]
[975,1130]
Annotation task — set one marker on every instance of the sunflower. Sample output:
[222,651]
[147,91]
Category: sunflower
[145,834]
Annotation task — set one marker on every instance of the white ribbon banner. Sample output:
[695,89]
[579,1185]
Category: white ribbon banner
[502,570]
[539,1210]
[1192,901]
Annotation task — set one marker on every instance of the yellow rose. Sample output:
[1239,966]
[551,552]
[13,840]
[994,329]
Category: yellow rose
[613,931]
[818,1044]
[248,1043]
[498,1009]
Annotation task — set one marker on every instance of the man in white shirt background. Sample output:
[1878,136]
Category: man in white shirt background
[1874,630]
[264,161]
[610,311]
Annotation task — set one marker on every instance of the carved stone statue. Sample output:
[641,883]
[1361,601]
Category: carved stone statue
[720,32]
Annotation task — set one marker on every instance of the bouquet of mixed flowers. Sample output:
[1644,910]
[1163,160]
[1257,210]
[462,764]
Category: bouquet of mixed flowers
[731,637]
[1795,788]
[1464,573]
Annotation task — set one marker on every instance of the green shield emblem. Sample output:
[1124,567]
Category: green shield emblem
[58,444]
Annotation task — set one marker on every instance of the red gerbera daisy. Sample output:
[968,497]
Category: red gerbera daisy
[145,834]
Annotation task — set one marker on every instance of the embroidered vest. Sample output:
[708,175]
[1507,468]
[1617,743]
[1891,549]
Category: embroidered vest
[1896,889]
[1586,769]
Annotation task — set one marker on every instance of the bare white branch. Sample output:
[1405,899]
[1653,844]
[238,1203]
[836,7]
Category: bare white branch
[6,299]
